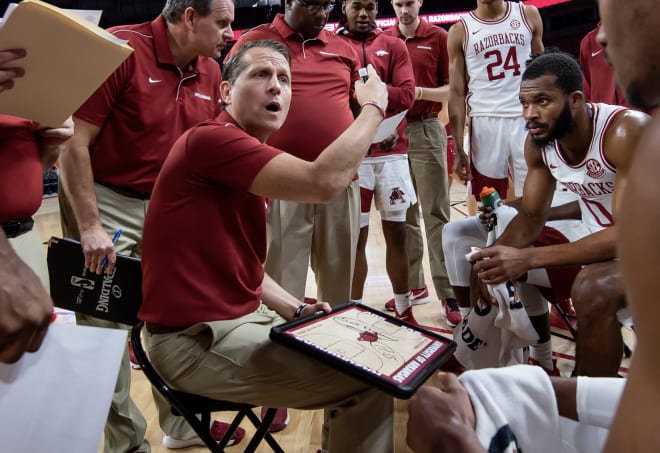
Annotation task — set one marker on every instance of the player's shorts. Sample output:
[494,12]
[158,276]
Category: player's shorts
[389,184]
[561,278]
[497,150]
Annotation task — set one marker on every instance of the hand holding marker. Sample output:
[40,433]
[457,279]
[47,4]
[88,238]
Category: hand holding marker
[362,72]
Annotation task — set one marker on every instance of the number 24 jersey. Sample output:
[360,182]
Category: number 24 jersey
[495,56]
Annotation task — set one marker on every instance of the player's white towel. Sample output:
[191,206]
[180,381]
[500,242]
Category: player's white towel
[494,335]
[515,409]
[516,330]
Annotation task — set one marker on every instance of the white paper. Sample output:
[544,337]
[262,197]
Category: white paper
[8,12]
[388,126]
[94,16]
[57,399]
[91,15]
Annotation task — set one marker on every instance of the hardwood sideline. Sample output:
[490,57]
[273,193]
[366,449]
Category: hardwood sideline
[303,435]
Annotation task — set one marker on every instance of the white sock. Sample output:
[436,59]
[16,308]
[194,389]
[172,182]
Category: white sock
[402,302]
[359,301]
[464,311]
[542,353]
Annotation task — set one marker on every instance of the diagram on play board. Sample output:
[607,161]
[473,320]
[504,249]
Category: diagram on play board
[368,339]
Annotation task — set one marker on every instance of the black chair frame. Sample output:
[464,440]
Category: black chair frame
[188,406]
[567,323]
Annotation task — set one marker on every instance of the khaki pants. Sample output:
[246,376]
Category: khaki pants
[29,249]
[427,155]
[235,360]
[323,234]
[126,425]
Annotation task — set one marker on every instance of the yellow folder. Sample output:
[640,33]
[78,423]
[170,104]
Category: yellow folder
[68,58]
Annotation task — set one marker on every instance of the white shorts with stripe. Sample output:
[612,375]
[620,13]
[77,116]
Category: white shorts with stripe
[497,148]
[387,181]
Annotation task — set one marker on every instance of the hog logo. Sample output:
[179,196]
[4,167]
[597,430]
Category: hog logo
[370,337]
[397,196]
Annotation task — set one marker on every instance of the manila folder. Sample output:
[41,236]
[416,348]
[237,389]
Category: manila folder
[68,58]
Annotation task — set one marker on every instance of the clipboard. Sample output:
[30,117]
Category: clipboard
[369,345]
[116,297]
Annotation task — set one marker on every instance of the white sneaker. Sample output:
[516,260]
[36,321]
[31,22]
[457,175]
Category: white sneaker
[417,297]
[218,430]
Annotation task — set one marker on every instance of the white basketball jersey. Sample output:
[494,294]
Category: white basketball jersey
[592,180]
[495,56]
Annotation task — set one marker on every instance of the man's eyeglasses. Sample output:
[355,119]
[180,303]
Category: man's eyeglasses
[314,7]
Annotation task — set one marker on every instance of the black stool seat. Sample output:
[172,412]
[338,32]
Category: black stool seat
[188,406]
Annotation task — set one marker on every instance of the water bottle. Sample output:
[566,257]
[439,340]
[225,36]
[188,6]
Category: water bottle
[490,198]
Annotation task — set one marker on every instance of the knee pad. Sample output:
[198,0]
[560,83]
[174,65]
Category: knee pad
[457,239]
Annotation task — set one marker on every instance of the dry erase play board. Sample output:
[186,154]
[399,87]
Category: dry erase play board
[393,355]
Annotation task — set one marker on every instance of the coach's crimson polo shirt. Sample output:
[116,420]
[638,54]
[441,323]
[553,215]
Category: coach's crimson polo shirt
[323,70]
[391,61]
[428,52]
[21,183]
[145,105]
[597,75]
[205,234]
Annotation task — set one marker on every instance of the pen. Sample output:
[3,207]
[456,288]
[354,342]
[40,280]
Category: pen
[114,241]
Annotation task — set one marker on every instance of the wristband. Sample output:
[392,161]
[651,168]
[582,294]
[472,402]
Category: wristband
[377,105]
[421,93]
[299,310]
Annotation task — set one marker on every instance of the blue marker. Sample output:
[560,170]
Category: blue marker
[114,241]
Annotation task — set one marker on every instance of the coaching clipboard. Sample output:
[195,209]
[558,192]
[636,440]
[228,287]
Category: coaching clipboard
[116,297]
[367,344]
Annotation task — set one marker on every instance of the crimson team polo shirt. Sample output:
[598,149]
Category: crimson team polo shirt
[205,234]
[391,61]
[597,75]
[428,52]
[323,71]
[21,182]
[145,105]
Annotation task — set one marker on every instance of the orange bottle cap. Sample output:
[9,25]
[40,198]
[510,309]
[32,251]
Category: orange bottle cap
[486,191]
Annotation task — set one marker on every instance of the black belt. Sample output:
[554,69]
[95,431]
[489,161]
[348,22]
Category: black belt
[18,227]
[125,191]
[422,116]
[158,329]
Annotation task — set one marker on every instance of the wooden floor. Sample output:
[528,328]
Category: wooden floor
[303,432]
